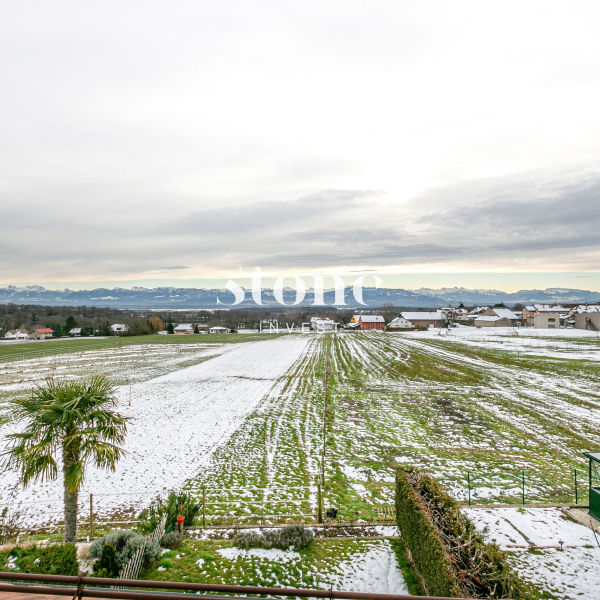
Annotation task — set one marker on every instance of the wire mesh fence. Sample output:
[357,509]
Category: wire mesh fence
[268,506]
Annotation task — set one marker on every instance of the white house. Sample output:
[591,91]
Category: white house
[400,323]
[119,328]
[321,325]
[16,334]
[421,318]
[75,332]
[183,329]
[218,329]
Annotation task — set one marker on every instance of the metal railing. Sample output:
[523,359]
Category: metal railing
[77,587]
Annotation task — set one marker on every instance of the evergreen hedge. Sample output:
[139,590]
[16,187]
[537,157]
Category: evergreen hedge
[448,554]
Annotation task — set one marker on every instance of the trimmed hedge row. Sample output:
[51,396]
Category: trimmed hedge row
[449,556]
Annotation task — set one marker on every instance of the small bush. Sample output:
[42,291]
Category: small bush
[293,536]
[249,539]
[57,560]
[107,565]
[126,544]
[171,540]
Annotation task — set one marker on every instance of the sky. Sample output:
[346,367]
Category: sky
[174,143]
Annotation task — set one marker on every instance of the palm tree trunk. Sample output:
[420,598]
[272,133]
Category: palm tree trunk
[70,498]
[70,516]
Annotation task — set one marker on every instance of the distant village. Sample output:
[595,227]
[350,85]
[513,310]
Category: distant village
[538,316]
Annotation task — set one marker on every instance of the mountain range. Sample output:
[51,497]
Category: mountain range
[173,298]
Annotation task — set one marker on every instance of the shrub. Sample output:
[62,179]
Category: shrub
[293,536]
[249,539]
[150,517]
[171,540]
[449,555]
[107,565]
[126,544]
[60,559]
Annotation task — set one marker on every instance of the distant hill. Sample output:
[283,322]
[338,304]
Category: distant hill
[173,298]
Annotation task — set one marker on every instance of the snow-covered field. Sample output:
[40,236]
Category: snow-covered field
[177,422]
[248,421]
[375,570]
[570,573]
[524,341]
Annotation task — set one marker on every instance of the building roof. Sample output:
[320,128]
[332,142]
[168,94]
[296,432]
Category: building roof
[75,330]
[423,316]
[219,327]
[44,330]
[490,318]
[506,313]
[372,319]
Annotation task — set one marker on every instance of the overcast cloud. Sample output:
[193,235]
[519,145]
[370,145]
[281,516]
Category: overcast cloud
[192,138]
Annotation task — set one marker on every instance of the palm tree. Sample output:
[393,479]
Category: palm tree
[72,419]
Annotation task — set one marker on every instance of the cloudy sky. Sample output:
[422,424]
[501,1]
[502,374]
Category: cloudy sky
[436,143]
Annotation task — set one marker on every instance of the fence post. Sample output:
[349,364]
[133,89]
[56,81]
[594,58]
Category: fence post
[469,485]
[203,506]
[320,501]
[523,486]
[91,517]
[576,497]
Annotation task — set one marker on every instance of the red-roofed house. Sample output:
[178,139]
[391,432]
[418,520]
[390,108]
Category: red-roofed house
[41,334]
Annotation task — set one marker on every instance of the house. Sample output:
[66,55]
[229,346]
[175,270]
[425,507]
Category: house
[435,319]
[400,323]
[531,310]
[501,311]
[587,320]
[546,320]
[321,325]
[183,329]
[218,329]
[492,321]
[367,322]
[119,328]
[476,312]
[16,334]
[75,332]
[41,334]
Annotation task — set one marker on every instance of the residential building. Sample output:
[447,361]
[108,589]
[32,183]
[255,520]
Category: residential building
[75,332]
[476,312]
[218,329]
[321,325]
[435,319]
[183,329]
[119,328]
[587,320]
[492,321]
[544,320]
[367,322]
[17,334]
[41,334]
[400,323]
[501,311]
